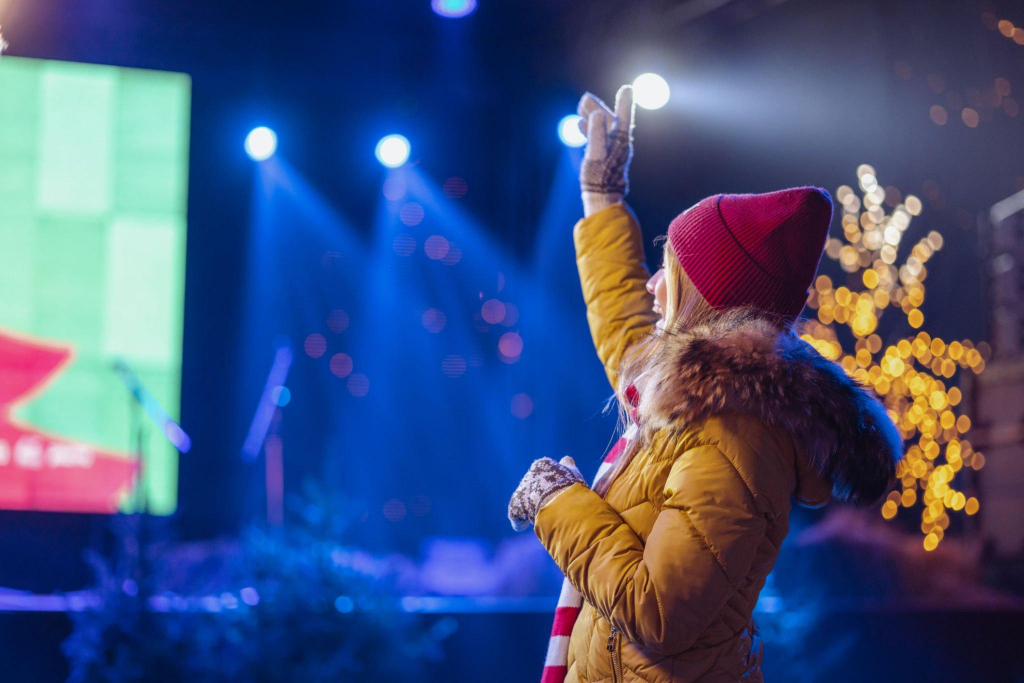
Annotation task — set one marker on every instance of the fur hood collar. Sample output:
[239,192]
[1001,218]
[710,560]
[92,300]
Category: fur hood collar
[743,364]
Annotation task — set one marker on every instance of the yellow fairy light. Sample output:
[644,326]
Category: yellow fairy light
[870,278]
[913,373]
[919,469]
[913,205]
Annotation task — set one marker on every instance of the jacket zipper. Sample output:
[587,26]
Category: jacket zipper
[613,648]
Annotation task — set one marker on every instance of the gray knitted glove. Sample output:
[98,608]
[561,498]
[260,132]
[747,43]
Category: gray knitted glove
[604,174]
[544,479]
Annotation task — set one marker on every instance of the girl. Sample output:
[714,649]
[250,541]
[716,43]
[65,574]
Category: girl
[731,416]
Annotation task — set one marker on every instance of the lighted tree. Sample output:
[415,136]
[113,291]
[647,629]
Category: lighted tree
[913,374]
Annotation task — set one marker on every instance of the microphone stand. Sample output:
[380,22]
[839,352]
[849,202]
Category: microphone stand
[263,432]
[142,402]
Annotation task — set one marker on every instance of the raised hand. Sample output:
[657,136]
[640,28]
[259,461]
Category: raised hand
[604,178]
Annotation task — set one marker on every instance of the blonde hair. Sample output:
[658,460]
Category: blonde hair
[685,308]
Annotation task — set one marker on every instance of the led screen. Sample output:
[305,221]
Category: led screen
[93,185]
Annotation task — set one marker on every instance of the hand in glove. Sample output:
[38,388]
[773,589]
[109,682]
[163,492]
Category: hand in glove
[604,177]
[544,479]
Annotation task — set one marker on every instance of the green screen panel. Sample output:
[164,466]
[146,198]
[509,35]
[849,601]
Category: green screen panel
[93,190]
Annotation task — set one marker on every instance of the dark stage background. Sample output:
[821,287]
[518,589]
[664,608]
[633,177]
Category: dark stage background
[440,412]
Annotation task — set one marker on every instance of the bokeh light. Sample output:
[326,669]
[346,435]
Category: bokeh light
[510,346]
[315,345]
[394,510]
[341,365]
[337,321]
[453,256]
[411,214]
[493,311]
[650,91]
[393,150]
[455,187]
[912,374]
[511,314]
[249,596]
[521,406]
[436,247]
[358,385]
[281,395]
[404,244]
[569,131]
[434,320]
[261,143]
[395,187]
[453,365]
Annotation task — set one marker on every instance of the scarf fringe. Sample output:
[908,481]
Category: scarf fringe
[556,663]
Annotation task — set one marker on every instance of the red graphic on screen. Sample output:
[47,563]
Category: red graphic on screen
[42,471]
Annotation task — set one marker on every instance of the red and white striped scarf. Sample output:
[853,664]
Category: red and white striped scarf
[556,664]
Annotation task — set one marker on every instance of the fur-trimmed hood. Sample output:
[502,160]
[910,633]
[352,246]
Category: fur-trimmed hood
[743,364]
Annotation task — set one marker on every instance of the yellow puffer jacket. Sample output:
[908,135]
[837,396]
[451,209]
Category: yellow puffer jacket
[739,418]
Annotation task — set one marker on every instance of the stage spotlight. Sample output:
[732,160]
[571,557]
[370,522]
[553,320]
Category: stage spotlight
[569,131]
[261,143]
[392,150]
[650,91]
[453,9]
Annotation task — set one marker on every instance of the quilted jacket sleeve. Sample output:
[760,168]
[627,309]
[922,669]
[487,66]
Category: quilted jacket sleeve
[663,594]
[610,258]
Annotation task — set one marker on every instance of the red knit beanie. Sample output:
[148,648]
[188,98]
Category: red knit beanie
[754,249]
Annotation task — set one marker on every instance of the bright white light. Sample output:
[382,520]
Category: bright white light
[392,150]
[569,131]
[261,143]
[650,91]
[453,9]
